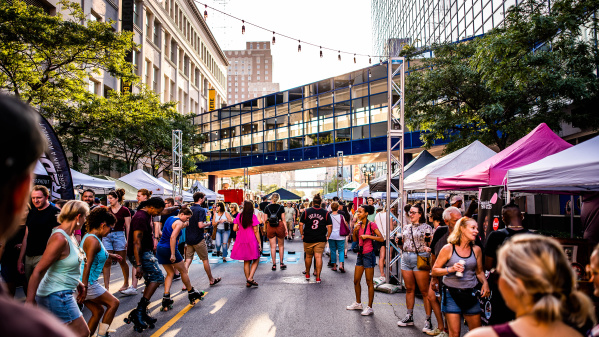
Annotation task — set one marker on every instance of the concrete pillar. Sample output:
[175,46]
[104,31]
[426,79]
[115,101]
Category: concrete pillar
[212,182]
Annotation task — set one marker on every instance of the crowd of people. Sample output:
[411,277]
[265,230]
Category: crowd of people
[58,250]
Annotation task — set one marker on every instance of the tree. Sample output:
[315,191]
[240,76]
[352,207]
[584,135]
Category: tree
[499,87]
[236,181]
[300,193]
[45,57]
[268,189]
[334,185]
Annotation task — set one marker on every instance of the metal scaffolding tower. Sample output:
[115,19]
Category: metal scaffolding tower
[395,163]
[339,173]
[177,171]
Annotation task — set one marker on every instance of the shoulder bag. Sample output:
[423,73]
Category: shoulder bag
[343,228]
[423,263]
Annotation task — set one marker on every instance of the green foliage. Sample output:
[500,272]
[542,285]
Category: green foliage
[334,185]
[236,181]
[300,193]
[268,188]
[44,57]
[499,87]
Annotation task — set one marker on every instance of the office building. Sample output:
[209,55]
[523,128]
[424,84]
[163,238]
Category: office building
[250,72]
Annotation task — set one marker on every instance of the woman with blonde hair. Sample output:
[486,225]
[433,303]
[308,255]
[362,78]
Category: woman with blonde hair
[56,277]
[460,262]
[538,284]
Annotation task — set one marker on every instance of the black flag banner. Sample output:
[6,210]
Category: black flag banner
[56,165]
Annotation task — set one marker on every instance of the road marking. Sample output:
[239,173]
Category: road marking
[173,320]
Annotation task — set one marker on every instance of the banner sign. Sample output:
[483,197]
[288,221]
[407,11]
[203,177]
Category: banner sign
[211,99]
[489,210]
[56,165]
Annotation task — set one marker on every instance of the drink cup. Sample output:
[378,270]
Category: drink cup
[459,273]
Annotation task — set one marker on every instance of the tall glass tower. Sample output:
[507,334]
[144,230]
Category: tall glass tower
[424,22]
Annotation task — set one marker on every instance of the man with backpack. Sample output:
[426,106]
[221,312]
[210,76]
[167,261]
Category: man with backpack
[275,229]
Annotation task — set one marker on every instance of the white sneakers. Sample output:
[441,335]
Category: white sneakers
[355,306]
[358,306]
[129,291]
[367,311]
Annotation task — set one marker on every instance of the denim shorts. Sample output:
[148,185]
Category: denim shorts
[62,304]
[115,241]
[449,306]
[150,267]
[409,261]
[367,260]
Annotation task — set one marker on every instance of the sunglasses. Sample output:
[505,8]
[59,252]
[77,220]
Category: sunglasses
[412,213]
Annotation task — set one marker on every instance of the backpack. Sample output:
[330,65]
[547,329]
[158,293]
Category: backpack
[273,219]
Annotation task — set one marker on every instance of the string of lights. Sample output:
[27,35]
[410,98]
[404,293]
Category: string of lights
[274,34]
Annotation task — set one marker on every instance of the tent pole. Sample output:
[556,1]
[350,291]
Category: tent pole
[572,216]
[425,202]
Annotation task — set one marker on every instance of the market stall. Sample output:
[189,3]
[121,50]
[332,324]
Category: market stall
[210,194]
[99,186]
[423,159]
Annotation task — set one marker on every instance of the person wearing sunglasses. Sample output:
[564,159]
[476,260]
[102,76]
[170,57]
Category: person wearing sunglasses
[100,222]
[414,244]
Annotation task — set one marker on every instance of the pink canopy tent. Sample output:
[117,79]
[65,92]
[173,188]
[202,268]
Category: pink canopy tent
[538,144]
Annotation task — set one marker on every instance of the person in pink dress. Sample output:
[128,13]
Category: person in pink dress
[247,244]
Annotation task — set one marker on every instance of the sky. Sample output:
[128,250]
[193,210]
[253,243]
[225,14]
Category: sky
[342,25]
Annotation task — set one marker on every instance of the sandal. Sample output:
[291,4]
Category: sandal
[216,280]
[304,272]
[248,284]
[334,269]
[341,269]
[274,267]
[252,282]
[283,266]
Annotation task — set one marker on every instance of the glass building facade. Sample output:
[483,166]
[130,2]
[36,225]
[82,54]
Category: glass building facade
[424,22]
[345,113]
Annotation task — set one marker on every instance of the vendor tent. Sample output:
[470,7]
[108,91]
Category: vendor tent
[343,194]
[130,191]
[538,144]
[84,182]
[285,195]
[351,186]
[424,158]
[571,171]
[453,163]
[142,179]
[210,194]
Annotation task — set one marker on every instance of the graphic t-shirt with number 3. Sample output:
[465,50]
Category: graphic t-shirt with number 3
[315,220]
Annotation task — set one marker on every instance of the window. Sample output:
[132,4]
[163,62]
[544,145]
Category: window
[266,72]
[174,51]
[197,78]
[155,80]
[93,87]
[258,78]
[135,61]
[148,14]
[136,9]
[173,93]
[266,78]
[186,65]
[266,66]
[156,33]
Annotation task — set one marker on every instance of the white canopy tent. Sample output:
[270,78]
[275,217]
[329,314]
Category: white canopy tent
[571,171]
[450,165]
[99,186]
[187,197]
[141,179]
[210,195]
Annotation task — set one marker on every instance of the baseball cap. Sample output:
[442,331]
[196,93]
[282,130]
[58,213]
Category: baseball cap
[456,198]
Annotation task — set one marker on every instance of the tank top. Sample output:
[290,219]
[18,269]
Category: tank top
[219,218]
[63,274]
[469,279]
[504,330]
[99,260]
[167,232]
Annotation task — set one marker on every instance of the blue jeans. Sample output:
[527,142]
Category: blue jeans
[337,246]
[62,304]
[222,237]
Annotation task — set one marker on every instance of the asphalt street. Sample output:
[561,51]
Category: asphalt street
[284,304]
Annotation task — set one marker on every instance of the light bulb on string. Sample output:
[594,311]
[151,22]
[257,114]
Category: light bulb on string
[339,55]
[205,12]
[321,52]
[354,58]
[273,37]
[369,60]
[299,46]
[243,27]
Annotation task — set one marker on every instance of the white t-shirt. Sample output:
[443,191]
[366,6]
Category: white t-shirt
[336,220]
[381,222]
[289,213]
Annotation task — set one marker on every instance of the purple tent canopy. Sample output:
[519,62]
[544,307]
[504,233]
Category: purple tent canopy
[538,144]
